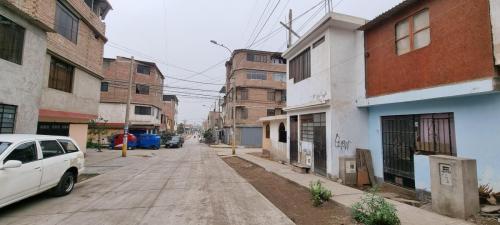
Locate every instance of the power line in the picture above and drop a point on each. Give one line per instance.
(267, 20)
(258, 22)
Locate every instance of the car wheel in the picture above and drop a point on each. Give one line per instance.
(65, 185)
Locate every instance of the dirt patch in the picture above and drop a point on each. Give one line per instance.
(291, 198)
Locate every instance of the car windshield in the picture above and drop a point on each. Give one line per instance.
(4, 146)
(176, 138)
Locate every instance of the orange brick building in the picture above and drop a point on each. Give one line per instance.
(255, 87)
(147, 95)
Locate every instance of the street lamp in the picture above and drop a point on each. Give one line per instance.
(233, 99)
(221, 45)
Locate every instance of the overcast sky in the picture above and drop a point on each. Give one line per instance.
(176, 35)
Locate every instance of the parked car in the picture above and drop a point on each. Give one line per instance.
(175, 141)
(151, 141)
(32, 164)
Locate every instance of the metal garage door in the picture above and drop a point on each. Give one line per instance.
(251, 136)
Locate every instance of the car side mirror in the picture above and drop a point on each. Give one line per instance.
(12, 164)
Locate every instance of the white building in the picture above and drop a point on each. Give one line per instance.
(324, 81)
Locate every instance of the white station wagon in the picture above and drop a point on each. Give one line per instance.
(31, 164)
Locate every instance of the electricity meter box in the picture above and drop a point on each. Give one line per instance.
(454, 186)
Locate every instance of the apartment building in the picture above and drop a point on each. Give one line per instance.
(23, 42)
(432, 87)
(255, 87)
(324, 80)
(72, 67)
(147, 95)
(169, 113)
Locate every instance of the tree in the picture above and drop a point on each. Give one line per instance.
(98, 127)
(180, 128)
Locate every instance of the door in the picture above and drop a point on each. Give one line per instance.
(294, 139)
(54, 163)
(57, 129)
(251, 136)
(313, 130)
(320, 147)
(17, 183)
(398, 142)
(403, 136)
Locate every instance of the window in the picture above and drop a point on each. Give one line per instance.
(279, 77)
(318, 42)
(413, 33)
(51, 149)
(243, 113)
(25, 153)
(142, 110)
(271, 95)
(268, 131)
(278, 60)
(282, 133)
(271, 112)
(7, 118)
(68, 146)
(256, 58)
(104, 86)
(66, 23)
(142, 89)
(244, 94)
(4, 146)
(11, 41)
(283, 95)
(143, 69)
(300, 66)
(61, 75)
(256, 75)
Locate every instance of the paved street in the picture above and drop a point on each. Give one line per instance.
(170, 186)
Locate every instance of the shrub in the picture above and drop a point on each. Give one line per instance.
(319, 194)
(375, 210)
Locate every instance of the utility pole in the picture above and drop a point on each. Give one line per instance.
(234, 116)
(127, 110)
(289, 28)
(290, 18)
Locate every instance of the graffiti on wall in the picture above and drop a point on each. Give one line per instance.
(342, 144)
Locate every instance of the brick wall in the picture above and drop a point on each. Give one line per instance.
(257, 103)
(88, 51)
(460, 48)
(119, 70)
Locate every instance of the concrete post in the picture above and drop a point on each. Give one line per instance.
(454, 186)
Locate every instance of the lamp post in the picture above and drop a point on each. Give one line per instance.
(233, 147)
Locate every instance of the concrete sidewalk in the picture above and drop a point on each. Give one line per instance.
(345, 195)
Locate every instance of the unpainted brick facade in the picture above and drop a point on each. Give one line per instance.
(117, 71)
(257, 103)
(87, 53)
(460, 49)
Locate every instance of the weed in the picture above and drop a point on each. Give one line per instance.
(375, 210)
(319, 194)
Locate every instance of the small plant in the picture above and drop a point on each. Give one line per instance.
(319, 194)
(375, 210)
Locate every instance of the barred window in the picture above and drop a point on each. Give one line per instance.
(7, 118)
(61, 75)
